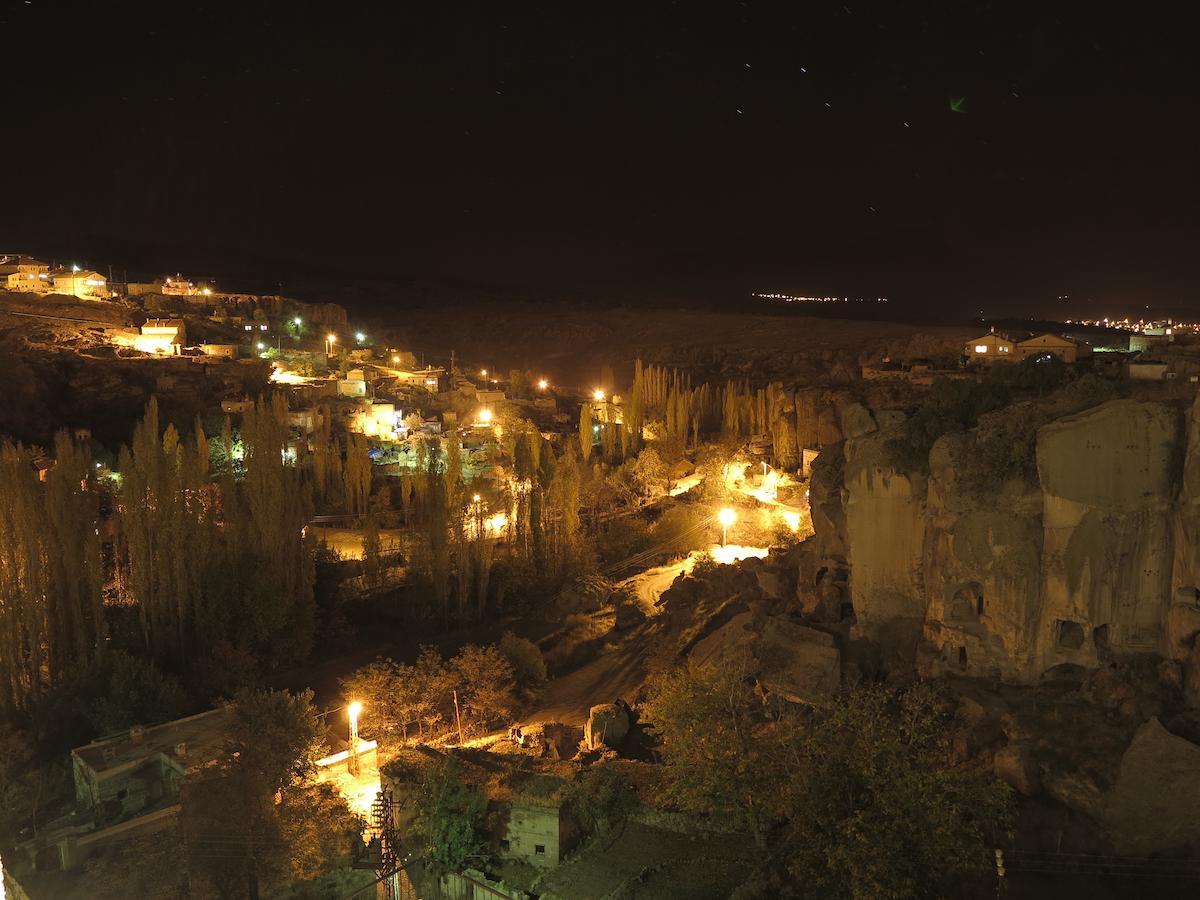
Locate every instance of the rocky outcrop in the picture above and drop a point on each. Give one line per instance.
(885, 527)
(799, 664)
(1098, 557)
(1153, 805)
(607, 725)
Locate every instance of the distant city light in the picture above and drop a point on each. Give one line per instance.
(483, 372)
(794, 298)
(543, 384)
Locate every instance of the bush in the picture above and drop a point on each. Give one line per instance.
(602, 801)
(449, 814)
(529, 668)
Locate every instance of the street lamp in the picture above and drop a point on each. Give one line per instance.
(330, 340)
(726, 517)
(543, 384)
(598, 395)
(395, 360)
(359, 336)
(485, 416)
(352, 712)
(297, 321)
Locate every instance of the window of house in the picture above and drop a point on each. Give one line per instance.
(539, 849)
(981, 348)
(1003, 349)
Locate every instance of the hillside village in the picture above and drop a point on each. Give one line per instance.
(504, 573)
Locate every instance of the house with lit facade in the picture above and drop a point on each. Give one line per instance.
(24, 273)
(997, 347)
(86, 284)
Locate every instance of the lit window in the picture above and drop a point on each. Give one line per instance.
(981, 348)
(1003, 349)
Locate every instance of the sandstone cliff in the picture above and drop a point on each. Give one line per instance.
(1097, 556)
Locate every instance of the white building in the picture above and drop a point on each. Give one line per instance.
(87, 284)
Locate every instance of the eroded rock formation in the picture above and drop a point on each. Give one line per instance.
(1099, 558)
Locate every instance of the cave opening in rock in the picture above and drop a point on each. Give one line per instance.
(1070, 634)
(966, 605)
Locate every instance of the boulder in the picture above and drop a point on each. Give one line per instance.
(607, 725)
(857, 421)
(1153, 805)
(729, 645)
(1014, 765)
(775, 583)
(628, 615)
(800, 664)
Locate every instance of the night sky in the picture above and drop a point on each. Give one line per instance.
(950, 156)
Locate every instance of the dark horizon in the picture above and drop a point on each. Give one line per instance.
(954, 160)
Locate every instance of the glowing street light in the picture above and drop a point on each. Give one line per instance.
(543, 384)
(395, 359)
(297, 321)
(726, 517)
(475, 498)
(485, 415)
(352, 713)
(598, 395)
(330, 340)
(483, 373)
(359, 336)
(261, 345)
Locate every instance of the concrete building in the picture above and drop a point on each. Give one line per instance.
(540, 830)
(86, 284)
(24, 273)
(127, 783)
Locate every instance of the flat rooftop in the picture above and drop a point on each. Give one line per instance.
(204, 734)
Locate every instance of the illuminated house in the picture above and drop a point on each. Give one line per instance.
(989, 348)
(24, 273)
(178, 286)
(380, 420)
(995, 347)
(156, 336)
(162, 336)
(86, 284)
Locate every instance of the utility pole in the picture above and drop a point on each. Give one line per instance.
(458, 718)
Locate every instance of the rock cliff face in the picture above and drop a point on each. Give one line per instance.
(1099, 559)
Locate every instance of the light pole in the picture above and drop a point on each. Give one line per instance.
(726, 517)
(352, 712)
(330, 339)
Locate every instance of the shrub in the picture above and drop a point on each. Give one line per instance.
(529, 668)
